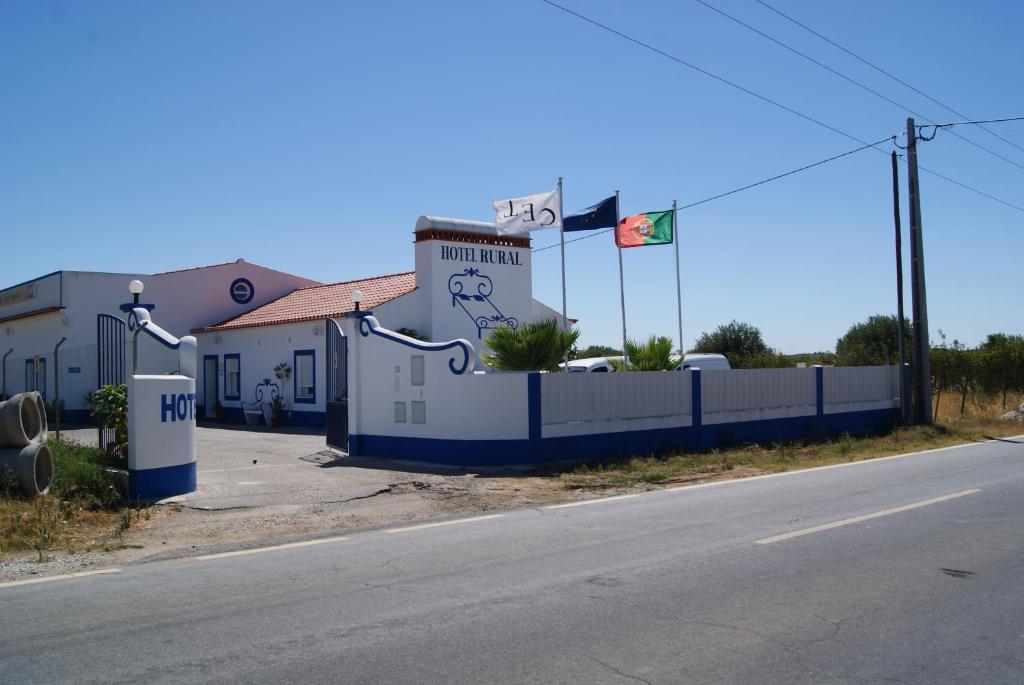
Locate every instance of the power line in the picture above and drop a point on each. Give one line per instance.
(981, 121)
(707, 73)
(883, 71)
(740, 189)
(763, 98)
(964, 185)
(848, 79)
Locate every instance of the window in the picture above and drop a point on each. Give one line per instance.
(419, 411)
(232, 377)
(600, 369)
(416, 366)
(305, 376)
(399, 412)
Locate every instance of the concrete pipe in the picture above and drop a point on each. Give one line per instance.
(44, 424)
(31, 467)
(20, 421)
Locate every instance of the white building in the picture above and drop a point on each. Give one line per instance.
(249, 319)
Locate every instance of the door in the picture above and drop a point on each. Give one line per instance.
(337, 386)
(110, 362)
(35, 375)
(210, 386)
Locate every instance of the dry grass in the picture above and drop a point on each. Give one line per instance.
(46, 524)
(978, 423)
(83, 513)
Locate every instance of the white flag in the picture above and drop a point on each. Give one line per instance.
(530, 213)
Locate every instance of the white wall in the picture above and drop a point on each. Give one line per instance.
(508, 290)
(184, 300)
(260, 349)
(200, 297)
(470, 406)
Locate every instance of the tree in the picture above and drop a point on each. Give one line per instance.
(655, 354)
(595, 351)
(1003, 366)
(873, 342)
(741, 343)
(539, 346)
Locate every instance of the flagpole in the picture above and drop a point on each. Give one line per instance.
(679, 284)
(622, 288)
(561, 234)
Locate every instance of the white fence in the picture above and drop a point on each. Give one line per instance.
(856, 388)
(751, 394)
(573, 398)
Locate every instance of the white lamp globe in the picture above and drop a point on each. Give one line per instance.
(135, 287)
(357, 296)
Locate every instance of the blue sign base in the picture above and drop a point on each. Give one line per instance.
(166, 481)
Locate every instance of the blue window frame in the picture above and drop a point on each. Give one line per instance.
(304, 377)
(232, 377)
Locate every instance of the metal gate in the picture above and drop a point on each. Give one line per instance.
(110, 360)
(337, 386)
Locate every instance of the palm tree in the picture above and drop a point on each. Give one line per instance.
(655, 354)
(539, 346)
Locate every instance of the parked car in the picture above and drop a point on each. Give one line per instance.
(590, 365)
(704, 361)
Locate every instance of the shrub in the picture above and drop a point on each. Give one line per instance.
(110, 406)
(654, 354)
(80, 473)
(539, 346)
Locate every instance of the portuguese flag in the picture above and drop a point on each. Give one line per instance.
(649, 228)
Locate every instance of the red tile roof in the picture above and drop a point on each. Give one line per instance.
(320, 301)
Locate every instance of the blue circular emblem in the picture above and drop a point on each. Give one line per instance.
(242, 291)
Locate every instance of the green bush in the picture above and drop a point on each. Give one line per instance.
(110, 406)
(654, 354)
(80, 473)
(539, 346)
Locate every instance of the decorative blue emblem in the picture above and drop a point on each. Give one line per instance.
(369, 324)
(478, 305)
(242, 290)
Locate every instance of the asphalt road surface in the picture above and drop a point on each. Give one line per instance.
(902, 570)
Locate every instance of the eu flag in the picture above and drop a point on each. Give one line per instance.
(602, 215)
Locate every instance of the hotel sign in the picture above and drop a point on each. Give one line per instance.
(17, 295)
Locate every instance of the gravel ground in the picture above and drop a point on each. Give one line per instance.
(257, 487)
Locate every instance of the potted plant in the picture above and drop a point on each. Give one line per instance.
(282, 372)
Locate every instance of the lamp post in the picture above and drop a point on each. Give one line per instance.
(357, 298)
(135, 288)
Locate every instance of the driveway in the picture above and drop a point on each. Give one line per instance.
(256, 485)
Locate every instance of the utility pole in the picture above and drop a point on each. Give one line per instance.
(922, 378)
(900, 332)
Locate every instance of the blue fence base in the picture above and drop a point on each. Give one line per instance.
(623, 444)
(166, 481)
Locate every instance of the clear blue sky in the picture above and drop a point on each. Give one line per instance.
(309, 136)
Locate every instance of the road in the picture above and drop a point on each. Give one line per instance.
(901, 570)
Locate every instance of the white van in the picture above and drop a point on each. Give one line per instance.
(704, 361)
(590, 365)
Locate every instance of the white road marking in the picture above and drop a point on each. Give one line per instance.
(865, 517)
(243, 468)
(66, 576)
(274, 548)
(438, 524)
(596, 500)
(250, 482)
